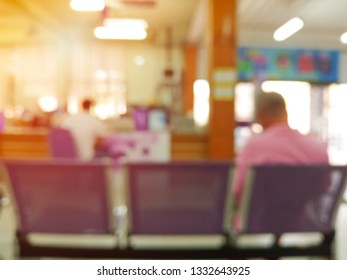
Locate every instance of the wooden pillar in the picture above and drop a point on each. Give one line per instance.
(190, 73)
(222, 74)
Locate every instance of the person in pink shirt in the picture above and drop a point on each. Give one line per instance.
(278, 144)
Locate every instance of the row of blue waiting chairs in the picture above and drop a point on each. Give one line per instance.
(72, 198)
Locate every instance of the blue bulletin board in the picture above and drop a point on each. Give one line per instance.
(288, 64)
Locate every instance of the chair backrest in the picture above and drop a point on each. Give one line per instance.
(284, 198)
(60, 196)
(178, 197)
(62, 144)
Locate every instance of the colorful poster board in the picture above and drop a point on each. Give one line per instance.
(288, 64)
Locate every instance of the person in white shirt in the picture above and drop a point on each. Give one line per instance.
(86, 129)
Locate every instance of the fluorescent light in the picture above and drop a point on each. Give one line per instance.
(114, 32)
(87, 5)
(288, 29)
(343, 38)
(122, 29)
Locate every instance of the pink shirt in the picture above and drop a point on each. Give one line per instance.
(278, 144)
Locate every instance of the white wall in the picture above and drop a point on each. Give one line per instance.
(143, 80)
(40, 69)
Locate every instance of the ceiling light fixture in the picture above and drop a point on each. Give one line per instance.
(288, 29)
(122, 29)
(87, 5)
(116, 33)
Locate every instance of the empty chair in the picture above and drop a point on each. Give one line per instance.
(61, 143)
(65, 198)
(178, 199)
(282, 199)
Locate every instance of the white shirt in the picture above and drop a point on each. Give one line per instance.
(85, 129)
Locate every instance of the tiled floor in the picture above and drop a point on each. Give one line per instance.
(8, 247)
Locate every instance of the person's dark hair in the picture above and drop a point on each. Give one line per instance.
(87, 104)
(269, 103)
